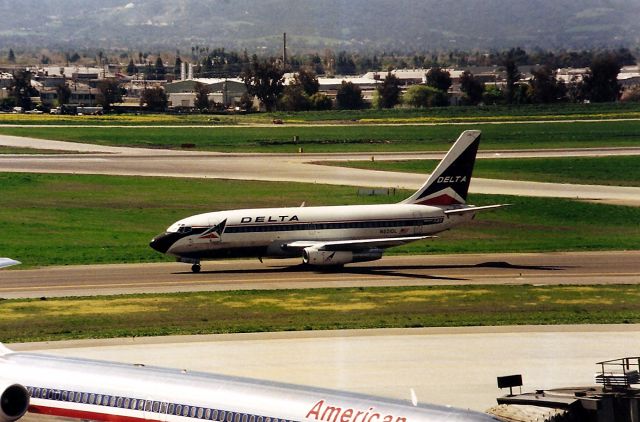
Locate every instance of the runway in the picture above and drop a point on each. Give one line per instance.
(96, 159)
(416, 270)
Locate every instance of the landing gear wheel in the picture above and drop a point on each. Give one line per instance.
(195, 268)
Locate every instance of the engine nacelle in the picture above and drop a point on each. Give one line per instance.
(14, 402)
(313, 256)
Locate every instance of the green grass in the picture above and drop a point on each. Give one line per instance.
(399, 115)
(78, 219)
(316, 309)
(350, 138)
(613, 171)
(471, 114)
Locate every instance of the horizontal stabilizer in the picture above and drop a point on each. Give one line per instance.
(4, 350)
(7, 262)
(473, 209)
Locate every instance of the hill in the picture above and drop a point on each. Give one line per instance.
(400, 25)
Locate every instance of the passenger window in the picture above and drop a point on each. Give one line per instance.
(207, 414)
(185, 411)
(156, 406)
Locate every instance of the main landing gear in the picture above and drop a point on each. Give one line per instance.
(195, 268)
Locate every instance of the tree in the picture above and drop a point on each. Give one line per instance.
(294, 98)
(131, 68)
(160, 70)
(177, 67)
(12, 56)
(512, 77)
(319, 101)
(308, 80)
(601, 82)
(389, 91)
(264, 80)
(439, 79)
(419, 96)
(154, 99)
(545, 88)
(64, 94)
(345, 64)
(202, 97)
(109, 92)
(21, 89)
(492, 95)
(472, 88)
(246, 102)
(349, 97)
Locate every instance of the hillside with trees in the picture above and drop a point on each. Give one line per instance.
(355, 25)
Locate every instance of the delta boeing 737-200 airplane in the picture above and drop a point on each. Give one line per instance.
(332, 235)
(108, 391)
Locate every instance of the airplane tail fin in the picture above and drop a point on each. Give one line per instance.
(449, 182)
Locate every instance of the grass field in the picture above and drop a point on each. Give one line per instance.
(398, 115)
(315, 309)
(77, 219)
(349, 138)
(612, 171)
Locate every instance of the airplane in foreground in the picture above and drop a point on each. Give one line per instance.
(332, 235)
(109, 391)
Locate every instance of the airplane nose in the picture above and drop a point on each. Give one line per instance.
(163, 242)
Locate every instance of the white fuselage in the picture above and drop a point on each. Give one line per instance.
(259, 232)
(100, 390)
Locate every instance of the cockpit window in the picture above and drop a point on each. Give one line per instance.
(184, 229)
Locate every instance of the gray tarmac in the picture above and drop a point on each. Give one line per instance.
(456, 367)
(618, 267)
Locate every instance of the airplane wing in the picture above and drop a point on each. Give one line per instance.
(466, 210)
(353, 245)
(7, 262)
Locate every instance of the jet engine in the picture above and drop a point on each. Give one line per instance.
(313, 256)
(14, 402)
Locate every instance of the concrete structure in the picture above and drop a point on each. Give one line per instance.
(222, 91)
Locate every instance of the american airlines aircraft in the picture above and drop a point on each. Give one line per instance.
(332, 235)
(109, 391)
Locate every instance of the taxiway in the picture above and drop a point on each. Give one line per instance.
(96, 159)
(421, 270)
